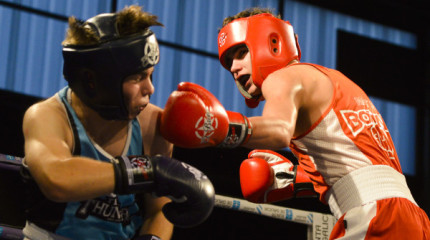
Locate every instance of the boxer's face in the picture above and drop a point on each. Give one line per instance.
(239, 60)
(137, 89)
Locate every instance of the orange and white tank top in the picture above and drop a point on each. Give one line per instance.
(349, 135)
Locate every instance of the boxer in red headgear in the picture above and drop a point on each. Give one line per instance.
(341, 141)
(270, 41)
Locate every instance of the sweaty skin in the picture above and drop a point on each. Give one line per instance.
(49, 145)
(296, 97)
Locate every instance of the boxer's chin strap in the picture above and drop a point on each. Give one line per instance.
(251, 101)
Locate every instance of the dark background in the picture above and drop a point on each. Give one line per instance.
(369, 62)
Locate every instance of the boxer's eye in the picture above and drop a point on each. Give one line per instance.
(241, 53)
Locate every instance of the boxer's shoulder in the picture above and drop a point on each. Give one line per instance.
(47, 106)
(148, 116)
(49, 113)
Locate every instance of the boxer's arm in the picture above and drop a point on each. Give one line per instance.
(59, 175)
(277, 125)
(153, 142)
(155, 223)
(296, 98)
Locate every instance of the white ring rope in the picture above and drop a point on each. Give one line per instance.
(287, 214)
(319, 224)
(10, 159)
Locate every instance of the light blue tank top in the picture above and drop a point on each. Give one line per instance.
(107, 217)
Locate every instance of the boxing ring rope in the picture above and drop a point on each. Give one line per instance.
(319, 224)
(10, 163)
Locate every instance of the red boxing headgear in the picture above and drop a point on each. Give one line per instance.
(270, 41)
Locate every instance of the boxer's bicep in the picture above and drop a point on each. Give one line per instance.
(45, 139)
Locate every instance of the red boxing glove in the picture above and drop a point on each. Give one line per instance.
(194, 118)
(267, 176)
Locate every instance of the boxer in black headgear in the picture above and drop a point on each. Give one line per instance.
(95, 72)
(95, 162)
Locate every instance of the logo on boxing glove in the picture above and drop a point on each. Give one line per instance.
(141, 168)
(140, 162)
(205, 126)
(197, 174)
(232, 138)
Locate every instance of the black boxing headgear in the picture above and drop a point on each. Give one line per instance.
(96, 73)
